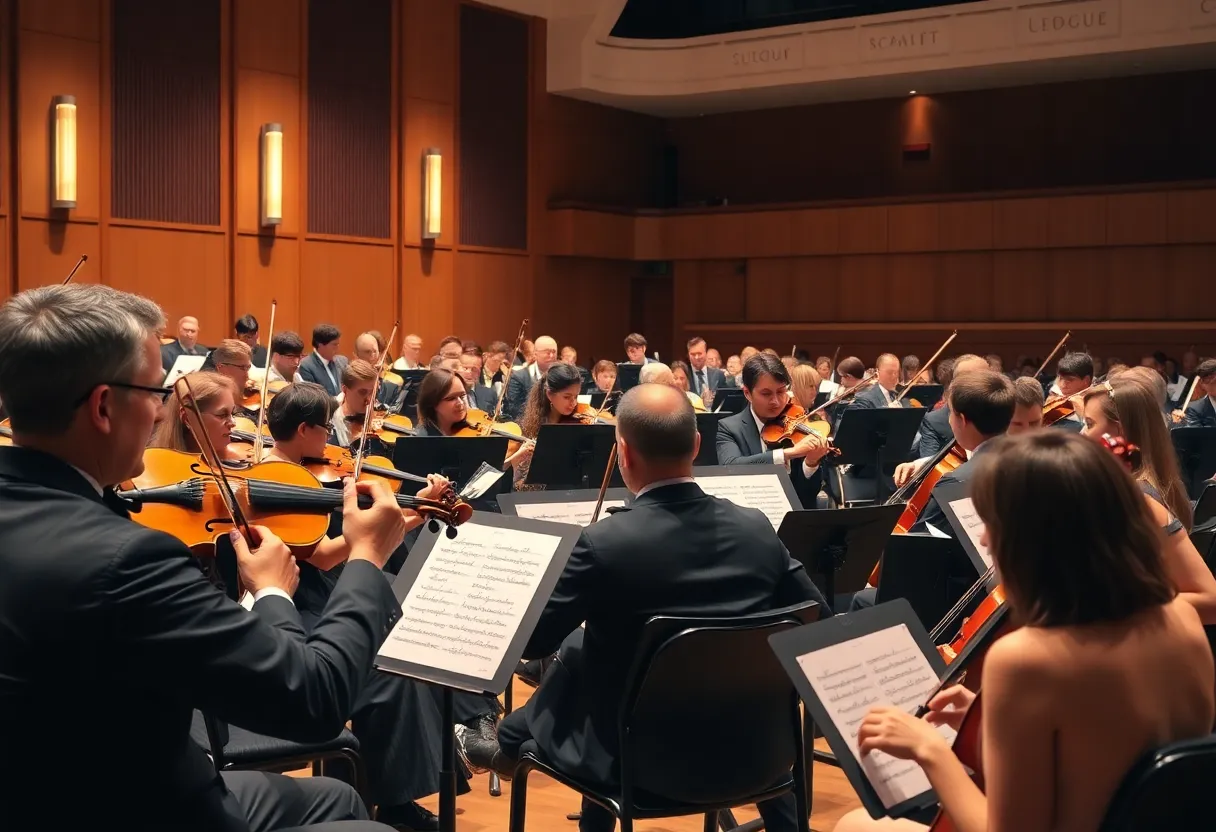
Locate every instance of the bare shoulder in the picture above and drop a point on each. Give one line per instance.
(1026, 653)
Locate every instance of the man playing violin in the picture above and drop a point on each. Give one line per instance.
(358, 387)
(1074, 373)
(95, 602)
(766, 385)
(233, 359)
(399, 726)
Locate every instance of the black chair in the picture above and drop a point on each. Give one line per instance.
(756, 752)
(1167, 789)
(235, 749)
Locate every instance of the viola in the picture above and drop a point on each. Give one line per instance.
(793, 423)
(967, 747)
(178, 494)
(252, 399)
(391, 427)
(478, 423)
(6, 433)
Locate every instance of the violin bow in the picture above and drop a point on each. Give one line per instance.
(203, 440)
(502, 394)
(599, 501)
(600, 410)
(72, 273)
(869, 379)
(1052, 354)
(259, 444)
(835, 355)
(926, 366)
(371, 402)
(1190, 393)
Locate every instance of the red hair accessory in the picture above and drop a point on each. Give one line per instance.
(1125, 451)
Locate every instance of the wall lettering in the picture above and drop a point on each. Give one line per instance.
(1080, 21)
(903, 40)
(765, 56)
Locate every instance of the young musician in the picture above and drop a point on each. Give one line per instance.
(717, 559)
(443, 403)
(604, 374)
(1202, 412)
(553, 399)
(358, 384)
(804, 385)
(935, 431)
(1105, 642)
(92, 600)
(324, 364)
(766, 385)
(1027, 406)
(233, 359)
(494, 367)
(286, 354)
(216, 401)
(1074, 373)
(246, 329)
(1127, 406)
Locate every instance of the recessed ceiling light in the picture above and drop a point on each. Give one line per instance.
(911, 92)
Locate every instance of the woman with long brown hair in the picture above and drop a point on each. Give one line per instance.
(216, 398)
(1104, 641)
(554, 397)
(1129, 406)
(442, 403)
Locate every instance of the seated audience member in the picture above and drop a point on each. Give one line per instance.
(718, 560)
(1101, 621)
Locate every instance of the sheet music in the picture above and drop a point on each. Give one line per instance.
(576, 513)
(758, 491)
(469, 599)
(882, 668)
(970, 520)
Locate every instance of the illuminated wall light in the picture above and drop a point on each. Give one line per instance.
(432, 193)
(63, 173)
(272, 174)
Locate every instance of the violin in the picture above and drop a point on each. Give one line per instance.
(252, 400)
(6, 433)
(585, 414)
(793, 423)
(388, 428)
(478, 423)
(179, 494)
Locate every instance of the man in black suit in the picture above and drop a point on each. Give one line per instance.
(935, 431)
(1202, 413)
(1074, 373)
(324, 365)
(766, 385)
(246, 328)
(717, 559)
(480, 396)
(93, 602)
(186, 343)
(703, 376)
(519, 385)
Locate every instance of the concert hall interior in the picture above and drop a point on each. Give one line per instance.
(978, 229)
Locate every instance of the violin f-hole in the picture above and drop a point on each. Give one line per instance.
(213, 524)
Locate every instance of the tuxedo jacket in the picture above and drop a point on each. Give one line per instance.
(169, 353)
(935, 432)
(1201, 414)
(739, 443)
(110, 636)
(312, 369)
(519, 385)
(714, 377)
(673, 551)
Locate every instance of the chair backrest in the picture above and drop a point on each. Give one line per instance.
(1166, 789)
(1205, 506)
(708, 714)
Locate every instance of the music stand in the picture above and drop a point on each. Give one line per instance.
(628, 375)
(729, 400)
(415, 646)
(1196, 449)
(954, 499)
(845, 540)
(878, 437)
(1205, 506)
(707, 426)
(927, 394)
(456, 458)
(573, 456)
(410, 380)
(927, 572)
(572, 506)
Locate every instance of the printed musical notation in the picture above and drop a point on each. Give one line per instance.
(884, 668)
(467, 603)
(575, 513)
(759, 491)
(970, 520)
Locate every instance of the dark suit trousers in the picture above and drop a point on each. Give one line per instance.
(277, 803)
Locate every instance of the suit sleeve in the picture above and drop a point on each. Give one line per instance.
(730, 453)
(513, 406)
(307, 374)
(182, 635)
(1194, 415)
(930, 438)
(568, 605)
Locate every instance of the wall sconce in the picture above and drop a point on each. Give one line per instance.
(432, 193)
(272, 175)
(63, 173)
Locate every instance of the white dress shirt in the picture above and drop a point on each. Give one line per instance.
(661, 484)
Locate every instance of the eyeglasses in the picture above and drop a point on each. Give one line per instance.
(162, 393)
(245, 367)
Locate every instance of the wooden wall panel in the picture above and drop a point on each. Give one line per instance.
(262, 98)
(47, 251)
(349, 285)
(429, 50)
(268, 269)
(80, 19)
(268, 35)
(428, 306)
(428, 124)
(502, 283)
(5, 262)
(177, 269)
(584, 283)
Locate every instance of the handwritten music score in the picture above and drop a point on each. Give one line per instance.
(575, 513)
(469, 599)
(970, 520)
(759, 491)
(884, 668)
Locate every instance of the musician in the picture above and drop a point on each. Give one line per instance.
(1127, 406)
(1202, 413)
(677, 376)
(702, 375)
(346, 422)
(882, 394)
(216, 398)
(1027, 406)
(552, 401)
(908, 368)
(443, 407)
(95, 602)
(604, 373)
(493, 366)
(804, 385)
(411, 353)
(569, 355)
(1074, 373)
(1101, 622)
(324, 364)
(717, 559)
(450, 347)
(233, 359)
(935, 432)
(766, 387)
(713, 358)
(635, 348)
(246, 329)
(398, 723)
(369, 346)
(480, 397)
(286, 354)
(734, 371)
(520, 385)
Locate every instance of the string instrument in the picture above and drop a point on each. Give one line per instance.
(179, 494)
(795, 420)
(6, 433)
(252, 400)
(388, 428)
(967, 747)
(478, 423)
(1178, 414)
(1057, 408)
(83, 259)
(924, 369)
(1052, 354)
(585, 414)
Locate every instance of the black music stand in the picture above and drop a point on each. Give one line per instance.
(628, 375)
(845, 540)
(1196, 449)
(573, 456)
(598, 396)
(456, 458)
(930, 573)
(494, 682)
(410, 380)
(879, 437)
(927, 394)
(707, 426)
(729, 400)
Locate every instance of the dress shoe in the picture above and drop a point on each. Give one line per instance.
(408, 817)
(480, 730)
(484, 754)
(530, 673)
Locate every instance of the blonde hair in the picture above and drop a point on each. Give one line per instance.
(229, 350)
(356, 371)
(805, 383)
(1132, 400)
(172, 432)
